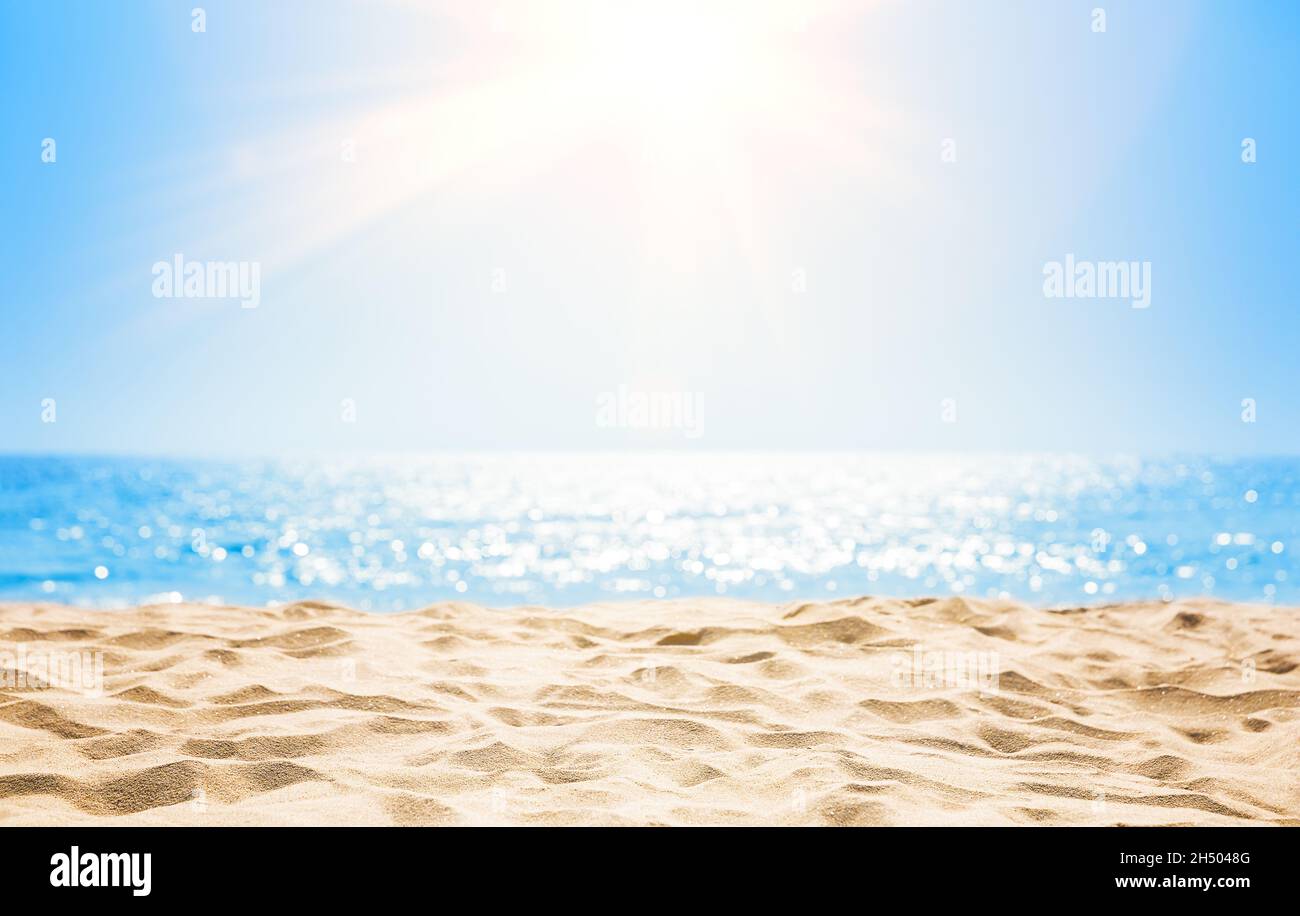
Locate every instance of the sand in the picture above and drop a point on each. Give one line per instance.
(866, 711)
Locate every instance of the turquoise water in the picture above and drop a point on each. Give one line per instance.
(398, 533)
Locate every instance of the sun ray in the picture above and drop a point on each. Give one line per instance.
(707, 101)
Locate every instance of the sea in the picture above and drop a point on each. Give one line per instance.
(398, 532)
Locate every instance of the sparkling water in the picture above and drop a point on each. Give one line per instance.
(552, 529)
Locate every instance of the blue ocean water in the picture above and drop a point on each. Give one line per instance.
(402, 532)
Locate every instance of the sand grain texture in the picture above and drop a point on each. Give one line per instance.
(668, 712)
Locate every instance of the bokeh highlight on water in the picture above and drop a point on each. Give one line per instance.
(558, 530)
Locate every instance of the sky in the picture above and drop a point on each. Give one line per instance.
(825, 223)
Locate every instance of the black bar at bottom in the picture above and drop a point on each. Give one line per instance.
(338, 866)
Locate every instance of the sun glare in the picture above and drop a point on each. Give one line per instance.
(672, 62)
(696, 105)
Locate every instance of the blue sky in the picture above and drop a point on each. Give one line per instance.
(646, 189)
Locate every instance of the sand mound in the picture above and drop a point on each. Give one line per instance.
(864, 711)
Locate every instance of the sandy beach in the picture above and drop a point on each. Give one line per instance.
(866, 711)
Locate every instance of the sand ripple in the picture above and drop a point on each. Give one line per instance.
(863, 711)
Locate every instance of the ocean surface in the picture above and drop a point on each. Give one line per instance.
(399, 533)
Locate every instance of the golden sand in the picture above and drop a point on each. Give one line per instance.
(865, 711)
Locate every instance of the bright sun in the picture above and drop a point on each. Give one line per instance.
(675, 62)
(681, 61)
(696, 105)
